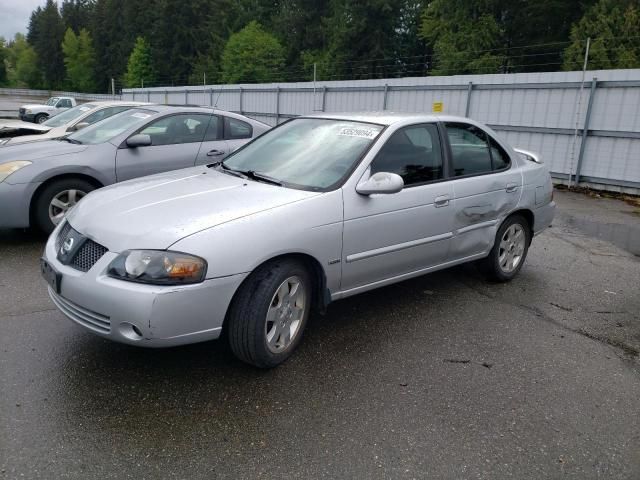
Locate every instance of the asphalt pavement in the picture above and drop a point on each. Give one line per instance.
(445, 376)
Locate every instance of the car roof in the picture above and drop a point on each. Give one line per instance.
(389, 118)
(112, 103)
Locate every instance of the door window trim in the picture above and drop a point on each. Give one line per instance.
(227, 129)
(124, 142)
(487, 136)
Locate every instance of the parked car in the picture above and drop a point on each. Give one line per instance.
(40, 181)
(67, 122)
(39, 113)
(318, 209)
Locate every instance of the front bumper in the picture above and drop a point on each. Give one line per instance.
(137, 314)
(14, 204)
(27, 117)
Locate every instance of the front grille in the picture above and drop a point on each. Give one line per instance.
(62, 235)
(87, 318)
(88, 254)
(21, 111)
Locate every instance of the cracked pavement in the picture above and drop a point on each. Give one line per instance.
(445, 376)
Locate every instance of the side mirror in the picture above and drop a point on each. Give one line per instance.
(80, 126)
(139, 140)
(381, 182)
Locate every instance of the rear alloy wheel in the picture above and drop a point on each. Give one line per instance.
(57, 199)
(269, 313)
(509, 250)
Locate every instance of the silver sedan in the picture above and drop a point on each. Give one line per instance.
(40, 181)
(315, 210)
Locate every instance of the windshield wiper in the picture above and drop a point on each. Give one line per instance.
(252, 174)
(70, 140)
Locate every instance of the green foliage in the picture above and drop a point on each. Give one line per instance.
(21, 63)
(252, 55)
(140, 66)
(3, 62)
(79, 60)
(46, 32)
(614, 29)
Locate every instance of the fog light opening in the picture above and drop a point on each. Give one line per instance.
(130, 331)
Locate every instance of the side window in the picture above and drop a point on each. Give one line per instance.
(175, 129)
(64, 103)
(469, 149)
(236, 129)
(214, 130)
(102, 114)
(498, 156)
(413, 153)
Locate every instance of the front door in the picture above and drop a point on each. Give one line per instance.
(387, 236)
(175, 142)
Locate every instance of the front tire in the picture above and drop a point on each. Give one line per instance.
(509, 250)
(40, 118)
(56, 199)
(270, 312)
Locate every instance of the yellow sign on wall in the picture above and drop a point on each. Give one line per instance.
(438, 106)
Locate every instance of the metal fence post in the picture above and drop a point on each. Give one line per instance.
(148, 95)
(211, 97)
(585, 130)
(186, 96)
(468, 107)
(240, 100)
(166, 97)
(324, 96)
(384, 98)
(277, 104)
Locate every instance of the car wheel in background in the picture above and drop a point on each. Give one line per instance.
(55, 200)
(509, 250)
(40, 118)
(269, 313)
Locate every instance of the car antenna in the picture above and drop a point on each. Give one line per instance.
(217, 98)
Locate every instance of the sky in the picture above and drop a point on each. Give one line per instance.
(14, 16)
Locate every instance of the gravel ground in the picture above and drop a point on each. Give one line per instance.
(445, 376)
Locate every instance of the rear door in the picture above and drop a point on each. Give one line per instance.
(175, 143)
(486, 186)
(214, 147)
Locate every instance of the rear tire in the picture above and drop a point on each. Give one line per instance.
(56, 199)
(269, 313)
(509, 250)
(40, 118)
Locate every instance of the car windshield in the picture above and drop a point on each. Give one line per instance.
(52, 101)
(105, 130)
(68, 115)
(311, 153)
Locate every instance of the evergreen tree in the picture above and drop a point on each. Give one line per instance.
(76, 14)
(252, 55)
(79, 60)
(140, 66)
(46, 32)
(3, 62)
(614, 28)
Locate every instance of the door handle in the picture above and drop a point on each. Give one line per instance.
(441, 201)
(511, 187)
(214, 153)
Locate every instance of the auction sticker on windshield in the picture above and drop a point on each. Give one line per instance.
(358, 132)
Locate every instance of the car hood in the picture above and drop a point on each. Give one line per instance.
(10, 125)
(156, 211)
(36, 105)
(35, 150)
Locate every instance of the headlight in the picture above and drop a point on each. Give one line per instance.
(28, 111)
(158, 267)
(7, 169)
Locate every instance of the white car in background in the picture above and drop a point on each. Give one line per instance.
(13, 132)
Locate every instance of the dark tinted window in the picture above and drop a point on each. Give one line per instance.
(469, 149)
(499, 156)
(236, 129)
(64, 103)
(214, 131)
(413, 153)
(183, 128)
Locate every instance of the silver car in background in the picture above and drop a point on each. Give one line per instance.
(14, 132)
(318, 209)
(41, 181)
